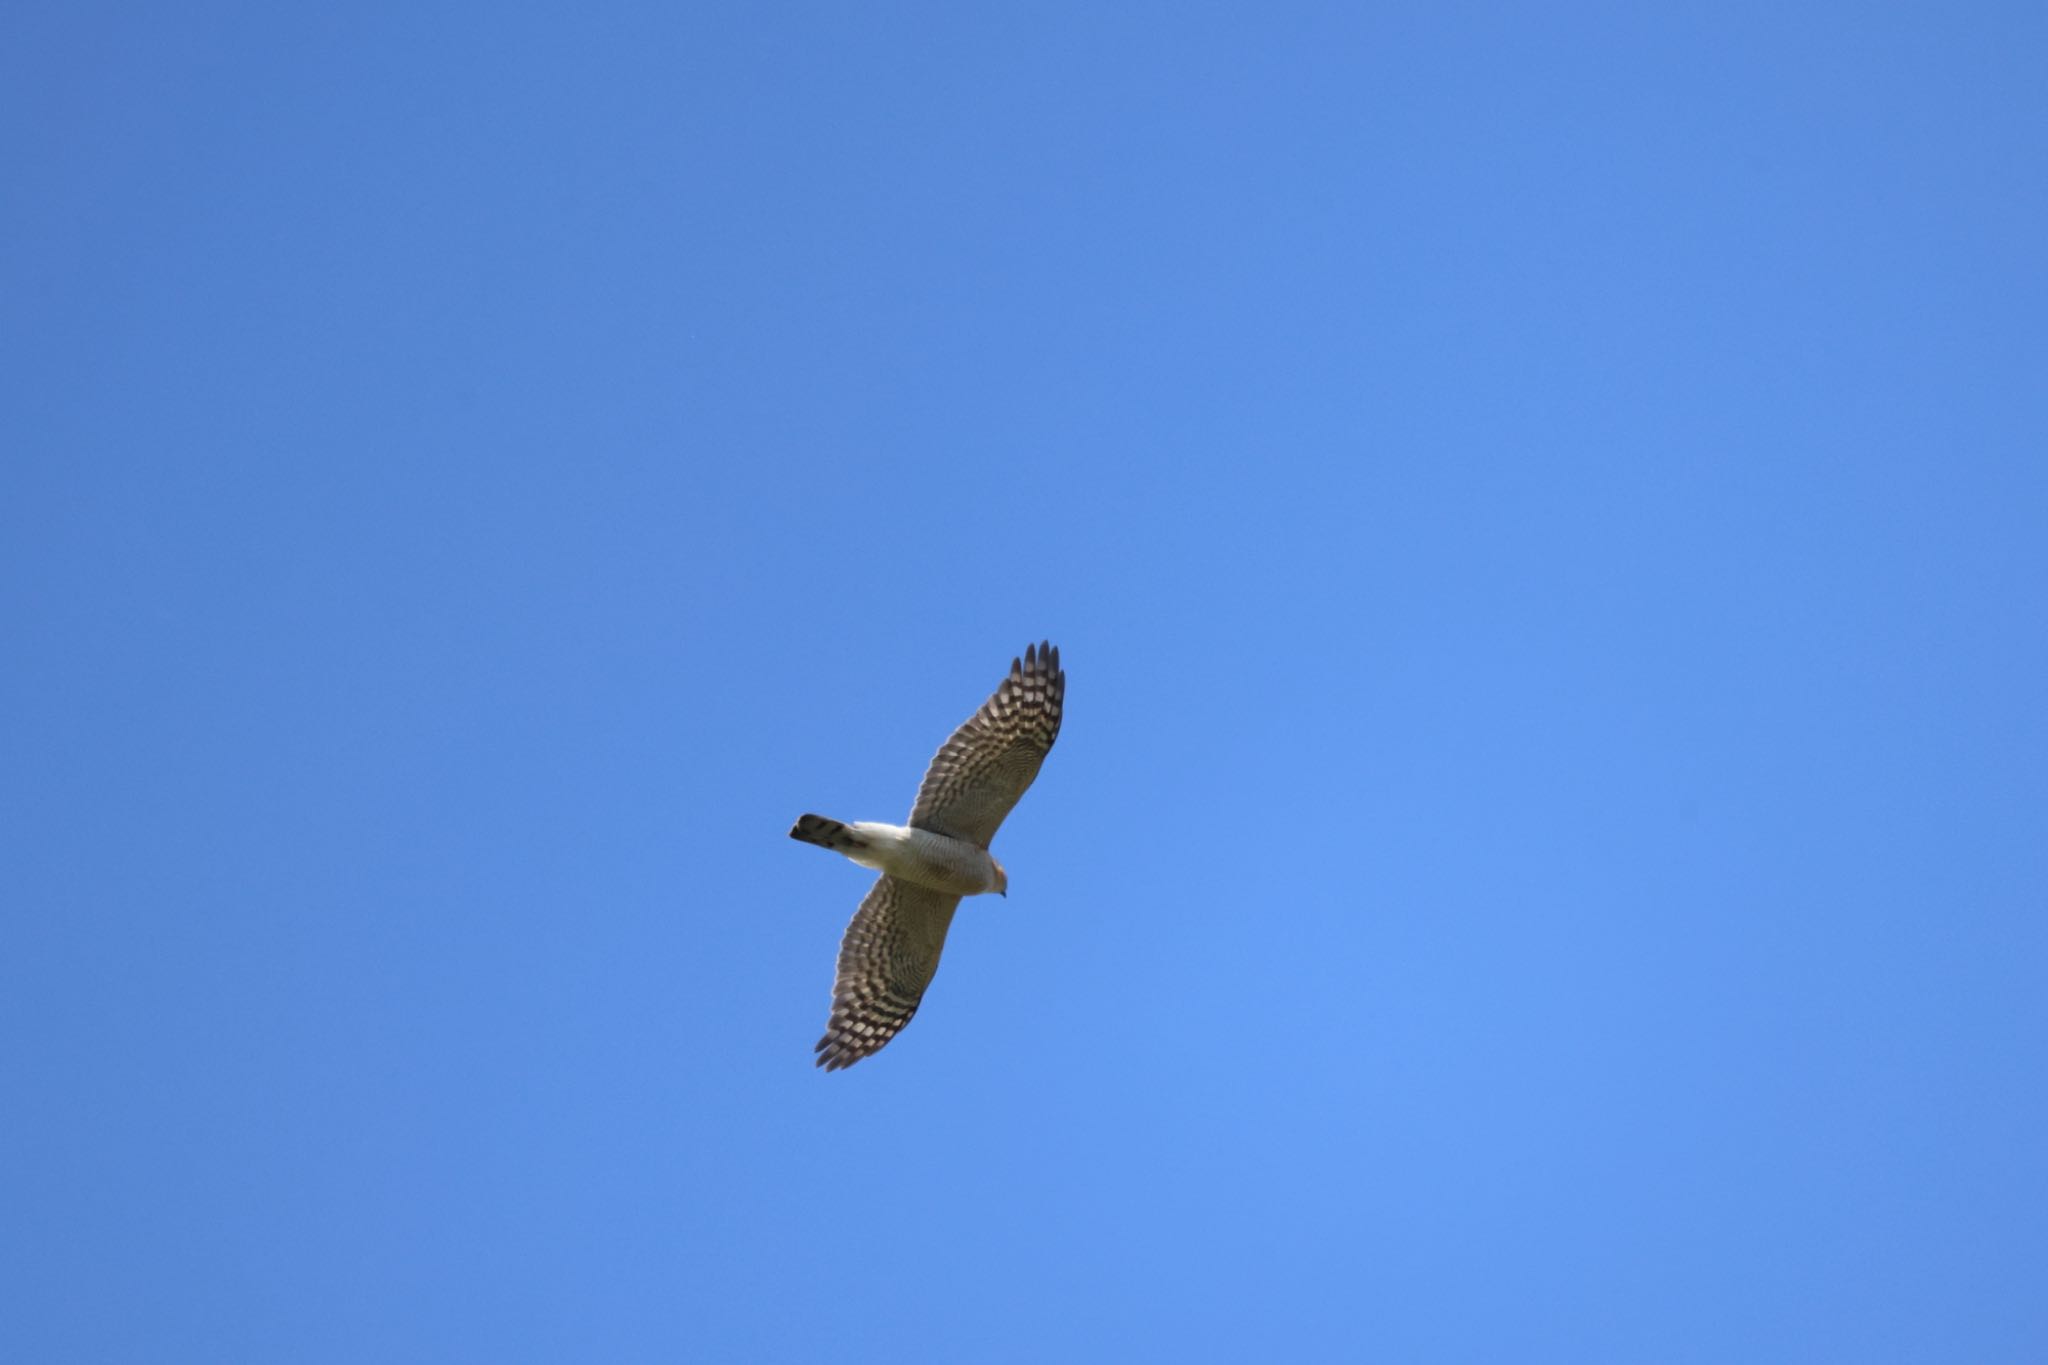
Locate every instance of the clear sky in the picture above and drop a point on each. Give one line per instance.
(1544, 510)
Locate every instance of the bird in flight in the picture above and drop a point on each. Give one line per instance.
(892, 947)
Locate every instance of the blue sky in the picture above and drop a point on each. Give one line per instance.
(1545, 516)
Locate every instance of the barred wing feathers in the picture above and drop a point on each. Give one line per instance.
(887, 958)
(978, 775)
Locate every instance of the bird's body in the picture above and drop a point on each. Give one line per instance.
(892, 947)
(937, 862)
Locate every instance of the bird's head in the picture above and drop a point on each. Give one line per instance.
(1002, 886)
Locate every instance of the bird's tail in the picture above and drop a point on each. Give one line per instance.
(816, 829)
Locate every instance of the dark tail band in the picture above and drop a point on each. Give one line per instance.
(816, 829)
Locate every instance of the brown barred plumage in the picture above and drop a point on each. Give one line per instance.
(887, 958)
(891, 949)
(978, 774)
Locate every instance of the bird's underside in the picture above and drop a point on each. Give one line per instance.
(891, 949)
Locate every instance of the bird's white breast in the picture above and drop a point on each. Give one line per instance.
(938, 861)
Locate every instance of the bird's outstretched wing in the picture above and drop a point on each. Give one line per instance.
(977, 775)
(887, 958)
